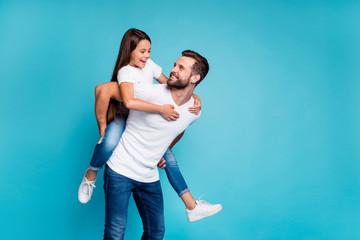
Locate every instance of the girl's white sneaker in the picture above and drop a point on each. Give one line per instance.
(202, 210)
(85, 190)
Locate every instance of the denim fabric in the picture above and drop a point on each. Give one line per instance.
(149, 201)
(174, 175)
(104, 150)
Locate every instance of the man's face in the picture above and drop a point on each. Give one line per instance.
(181, 73)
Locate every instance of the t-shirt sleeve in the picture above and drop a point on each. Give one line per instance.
(156, 69)
(197, 116)
(124, 75)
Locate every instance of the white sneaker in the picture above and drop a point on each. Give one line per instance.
(202, 210)
(85, 190)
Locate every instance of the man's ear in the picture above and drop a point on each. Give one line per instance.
(195, 78)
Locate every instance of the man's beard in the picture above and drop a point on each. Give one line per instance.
(178, 84)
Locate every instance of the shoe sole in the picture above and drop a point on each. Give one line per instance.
(211, 214)
(81, 200)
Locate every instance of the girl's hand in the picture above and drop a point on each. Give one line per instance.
(167, 111)
(100, 140)
(196, 109)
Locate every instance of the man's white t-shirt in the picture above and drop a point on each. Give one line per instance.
(148, 135)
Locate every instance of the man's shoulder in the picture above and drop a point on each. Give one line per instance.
(193, 115)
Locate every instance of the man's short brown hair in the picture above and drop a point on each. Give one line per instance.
(201, 65)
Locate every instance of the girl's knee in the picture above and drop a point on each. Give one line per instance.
(109, 145)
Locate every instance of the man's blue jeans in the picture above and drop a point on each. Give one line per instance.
(149, 201)
(104, 150)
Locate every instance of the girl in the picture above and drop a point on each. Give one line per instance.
(133, 64)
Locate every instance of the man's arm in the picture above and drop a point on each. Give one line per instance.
(103, 93)
(176, 139)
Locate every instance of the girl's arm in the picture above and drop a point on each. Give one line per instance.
(162, 79)
(127, 93)
(196, 109)
(197, 104)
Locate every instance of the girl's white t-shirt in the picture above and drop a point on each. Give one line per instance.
(135, 75)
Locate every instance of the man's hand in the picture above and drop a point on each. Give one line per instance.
(100, 140)
(162, 164)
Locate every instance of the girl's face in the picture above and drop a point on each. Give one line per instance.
(140, 54)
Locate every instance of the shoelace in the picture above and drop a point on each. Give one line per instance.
(202, 202)
(90, 186)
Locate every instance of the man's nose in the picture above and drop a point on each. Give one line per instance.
(174, 69)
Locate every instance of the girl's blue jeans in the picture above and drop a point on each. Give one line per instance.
(104, 150)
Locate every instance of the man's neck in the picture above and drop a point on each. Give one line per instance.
(181, 96)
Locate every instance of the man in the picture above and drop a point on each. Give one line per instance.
(133, 166)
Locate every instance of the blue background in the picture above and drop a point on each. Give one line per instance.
(277, 143)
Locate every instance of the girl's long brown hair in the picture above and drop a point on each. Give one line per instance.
(130, 40)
